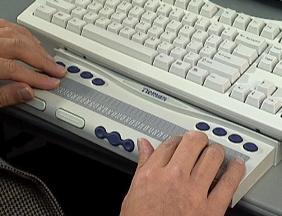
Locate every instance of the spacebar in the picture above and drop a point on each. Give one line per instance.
(119, 43)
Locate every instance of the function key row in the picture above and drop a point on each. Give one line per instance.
(84, 74)
(234, 138)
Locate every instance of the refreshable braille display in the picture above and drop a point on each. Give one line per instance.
(154, 69)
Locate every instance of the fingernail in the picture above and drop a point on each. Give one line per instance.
(25, 94)
(240, 160)
(61, 69)
(55, 80)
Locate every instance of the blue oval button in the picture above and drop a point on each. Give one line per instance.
(73, 69)
(98, 82)
(128, 145)
(100, 132)
(86, 75)
(219, 131)
(114, 138)
(203, 126)
(235, 138)
(251, 147)
(61, 63)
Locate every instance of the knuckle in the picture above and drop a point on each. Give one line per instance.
(175, 172)
(144, 175)
(4, 99)
(18, 43)
(11, 66)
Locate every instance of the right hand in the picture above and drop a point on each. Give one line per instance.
(175, 179)
(17, 43)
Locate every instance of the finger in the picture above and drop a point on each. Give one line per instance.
(20, 49)
(188, 151)
(11, 70)
(207, 166)
(18, 28)
(15, 93)
(145, 150)
(222, 193)
(164, 152)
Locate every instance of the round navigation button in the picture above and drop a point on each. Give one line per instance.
(219, 131)
(128, 145)
(114, 138)
(100, 132)
(203, 126)
(73, 69)
(86, 75)
(235, 138)
(251, 147)
(61, 63)
(98, 81)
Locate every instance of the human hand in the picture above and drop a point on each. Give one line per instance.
(18, 44)
(175, 179)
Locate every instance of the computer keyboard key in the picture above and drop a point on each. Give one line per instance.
(227, 46)
(155, 31)
(270, 31)
(192, 58)
(61, 19)
(215, 29)
(142, 27)
(181, 4)
(127, 32)
(95, 7)
(152, 42)
(272, 104)
(222, 70)
(45, 12)
(90, 17)
(60, 5)
(266, 87)
(139, 37)
(165, 47)
(252, 41)
(130, 22)
(197, 75)
(181, 41)
(229, 33)
(152, 5)
(102, 22)
(207, 51)
(200, 36)
(208, 10)
(194, 46)
(124, 7)
(240, 92)
(148, 17)
(195, 6)
(106, 12)
(136, 11)
(246, 52)
(173, 26)
(234, 61)
(242, 21)
(112, 4)
(176, 14)
(168, 36)
(228, 16)
(255, 98)
(278, 69)
(180, 68)
(78, 12)
(75, 25)
(82, 3)
(116, 42)
(202, 24)
(255, 26)
(186, 31)
(178, 53)
(189, 19)
(163, 61)
(164, 9)
(217, 83)
(161, 21)
(268, 62)
(213, 41)
(276, 50)
(139, 3)
(115, 27)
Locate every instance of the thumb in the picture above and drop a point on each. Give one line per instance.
(145, 149)
(15, 93)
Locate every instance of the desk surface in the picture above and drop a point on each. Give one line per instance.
(266, 195)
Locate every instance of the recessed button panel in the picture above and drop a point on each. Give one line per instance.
(114, 138)
(73, 69)
(38, 104)
(203, 126)
(98, 81)
(219, 131)
(70, 118)
(86, 75)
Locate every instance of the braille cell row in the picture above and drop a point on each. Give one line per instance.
(84, 74)
(234, 138)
